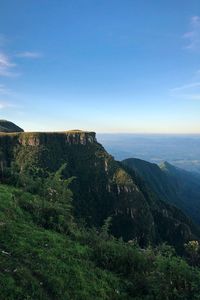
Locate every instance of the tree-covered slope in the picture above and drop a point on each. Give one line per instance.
(171, 184)
(101, 187)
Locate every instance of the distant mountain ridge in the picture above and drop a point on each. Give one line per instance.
(171, 184)
(180, 150)
(7, 126)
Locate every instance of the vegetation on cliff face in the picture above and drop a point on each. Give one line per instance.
(101, 187)
(171, 184)
(54, 184)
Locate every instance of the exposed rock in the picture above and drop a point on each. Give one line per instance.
(67, 137)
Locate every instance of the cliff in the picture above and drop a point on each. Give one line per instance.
(102, 186)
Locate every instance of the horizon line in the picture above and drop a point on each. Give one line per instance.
(152, 133)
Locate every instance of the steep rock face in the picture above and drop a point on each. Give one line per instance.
(7, 126)
(73, 137)
(102, 188)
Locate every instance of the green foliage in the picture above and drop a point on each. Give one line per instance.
(103, 188)
(192, 249)
(170, 184)
(42, 257)
(145, 273)
(171, 224)
(36, 263)
(174, 279)
(51, 204)
(105, 229)
(60, 178)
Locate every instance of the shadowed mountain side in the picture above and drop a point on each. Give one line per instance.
(102, 186)
(7, 126)
(171, 184)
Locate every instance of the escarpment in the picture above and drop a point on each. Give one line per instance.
(67, 137)
(102, 187)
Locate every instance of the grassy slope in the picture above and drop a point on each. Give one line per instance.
(36, 263)
(39, 263)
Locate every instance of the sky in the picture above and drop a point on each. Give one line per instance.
(128, 66)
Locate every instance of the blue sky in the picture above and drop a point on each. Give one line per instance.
(107, 66)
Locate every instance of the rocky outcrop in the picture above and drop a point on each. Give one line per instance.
(45, 138)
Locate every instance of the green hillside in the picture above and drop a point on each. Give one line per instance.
(171, 184)
(73, 221)
(44, 255)
(101, 186)
(7, 126)
(43, 263)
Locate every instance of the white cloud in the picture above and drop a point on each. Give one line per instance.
(188, 96)
(189, 91)
(192, 36)
(191, 96)
(6, 66)
(29, 54)
(186, 87)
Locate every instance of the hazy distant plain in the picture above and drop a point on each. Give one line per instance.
(181, 150)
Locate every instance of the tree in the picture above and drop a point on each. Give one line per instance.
(192, 249)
